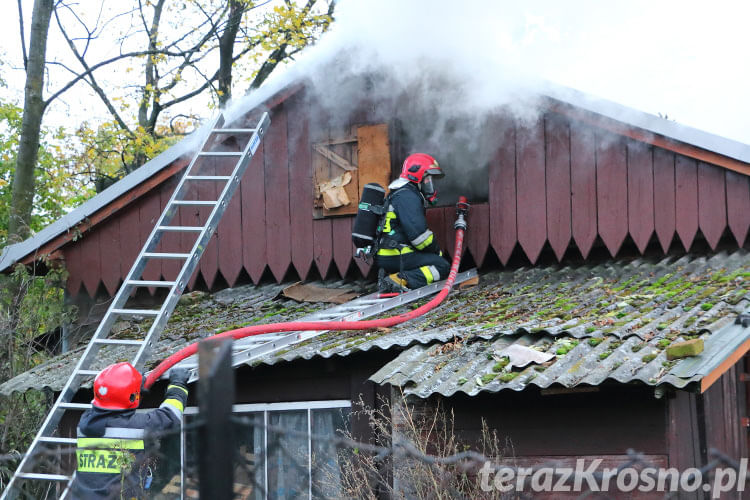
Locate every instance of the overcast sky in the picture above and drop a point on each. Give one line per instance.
(685, 59)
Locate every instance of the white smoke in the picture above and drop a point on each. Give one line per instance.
(683, 59)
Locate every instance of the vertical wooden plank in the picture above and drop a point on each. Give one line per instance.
(170, 268)
(109, 247)
(436, 222)
(322, 228)
(531, 213)
(342, 226)
(254, 216)
(229, 231)
(682, 422)
(738, 205)
(502, 189)
(557, 150)
(664, 197)
(449, 217)
(640, 194)
(686, 199)
(73, 264)
(583, 186)
(189, 216)
(300, 185)
(323, 245)
(612, 191)
(149, 207)
(129, 220)
(278, 240)
(90, 261)
(712, 202)
(342, 243)
(478, 232)
(209, 191)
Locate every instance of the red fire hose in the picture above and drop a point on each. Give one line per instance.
(462, 208)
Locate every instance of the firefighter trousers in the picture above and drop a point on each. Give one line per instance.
(417, 268)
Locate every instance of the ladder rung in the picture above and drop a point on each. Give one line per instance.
(221, 153)
(45, 477)
(118, 341)
(159, 255)
(74, 406)
(58, 440)
(88, 372)
(165, 284)
(207, 177)
(194, 202)
(136, 312)
(233, 130)
(181, 229)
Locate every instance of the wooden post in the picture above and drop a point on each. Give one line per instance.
(215, 398)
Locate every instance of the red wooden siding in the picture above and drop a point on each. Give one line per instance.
(583, 186)
(664, 197)
(300, 190)
(502, 194)
(712, 209)
(686, 200)
(254, 216)
(278, 241)
(612, 191)
(553, 181)
(738, 205)
(531, 217)
(558, 185)
(640, 194)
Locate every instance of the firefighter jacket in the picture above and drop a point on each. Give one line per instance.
(111, 455)
(405, 226)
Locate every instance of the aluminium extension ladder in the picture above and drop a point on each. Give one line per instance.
(46, 439)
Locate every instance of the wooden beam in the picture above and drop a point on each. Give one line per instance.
(733, 358)
(335, 158)
(658, 140)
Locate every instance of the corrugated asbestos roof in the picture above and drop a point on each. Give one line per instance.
(606, 317)
(619, 331)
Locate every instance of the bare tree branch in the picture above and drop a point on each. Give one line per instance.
(23, 35)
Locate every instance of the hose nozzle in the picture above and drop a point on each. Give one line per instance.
(462, 209)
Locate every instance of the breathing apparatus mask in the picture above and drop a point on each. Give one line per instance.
(428, 189)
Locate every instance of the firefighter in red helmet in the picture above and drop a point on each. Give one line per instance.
(408, 255)
(110, 452)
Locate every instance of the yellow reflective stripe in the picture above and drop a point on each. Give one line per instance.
(178, 387)
(427, 274)
(175, 403)
(115, 443)
(389, 252)
(103, 461)
(389, 216)
(425, 243)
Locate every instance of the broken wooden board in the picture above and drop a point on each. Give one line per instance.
(312, 293)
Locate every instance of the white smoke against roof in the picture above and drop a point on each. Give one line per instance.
(683, 59)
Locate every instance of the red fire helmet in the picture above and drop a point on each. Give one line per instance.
(117, 387)
(417, 165)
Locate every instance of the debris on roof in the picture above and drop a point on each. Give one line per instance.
(307, 292)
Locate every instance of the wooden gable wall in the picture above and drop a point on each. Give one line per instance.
(557, 180)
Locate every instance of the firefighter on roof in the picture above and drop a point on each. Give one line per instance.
(110, 453)
(408, 255)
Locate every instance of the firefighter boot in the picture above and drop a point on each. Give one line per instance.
(391, 283)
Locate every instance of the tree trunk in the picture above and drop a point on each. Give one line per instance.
(33, 110)
(226, 50)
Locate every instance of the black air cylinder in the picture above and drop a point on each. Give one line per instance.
(368, 215)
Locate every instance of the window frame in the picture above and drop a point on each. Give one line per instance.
(308, 406)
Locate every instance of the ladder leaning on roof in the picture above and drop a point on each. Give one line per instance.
(46, 441)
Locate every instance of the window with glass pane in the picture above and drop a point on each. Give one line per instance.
(287, 446)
